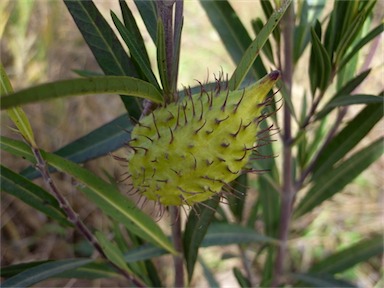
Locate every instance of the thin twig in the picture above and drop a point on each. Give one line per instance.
(74, 218)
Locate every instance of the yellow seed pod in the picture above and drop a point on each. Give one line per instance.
(185, 152)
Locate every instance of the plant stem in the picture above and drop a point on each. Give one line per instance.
(178, 244)
(73, 217)
(287, 189)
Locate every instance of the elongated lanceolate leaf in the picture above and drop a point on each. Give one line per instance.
(349, 257)
(320, 64)
(101, 39)
(105, 195)
(162, 57)
(254, 48)
(195, 230)
(239, 193)
(42, 272)
(94, 270)
(98, 142)
(347, 89)
(31, 194)
(336, 178)
(227, 234)
(105, 46)
(320, 281)
(353, 100)
(148, 12)
(112, 252)
(362, 42)
(356, 19)
(131, 26)
(241, 279)
(348, 138)
(85, 86)
(136, 51)
(16, 114)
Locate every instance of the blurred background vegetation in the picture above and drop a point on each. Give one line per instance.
(40, 43)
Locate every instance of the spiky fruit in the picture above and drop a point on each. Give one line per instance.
(185, 152)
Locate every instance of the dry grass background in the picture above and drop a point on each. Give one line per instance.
(43, 44)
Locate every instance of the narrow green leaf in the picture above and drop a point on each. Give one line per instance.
(42, 272)
(104, 194)
(220, 234)
(162, 58)
(195, 230)
(31, 194)
(98, 142)
(17, 148)
(119, 237)
(152, 274)
(111, 251)
(237, 198)
(241, 279)
(334, 30)
(257, 25)
(360, 44)
(354, 27)
(349, 257)
(347, 39)
(148, 13)
(144, 252)
(347, 89)
(12, 270)
(91, 271)
(320, 68)
(269, 198)
(101, 39)
(348, 138)
(352, 84)
(84, 86)
(268, 10)
(346, 100)
(105, 46)
(120, 208)
(135, 48)
(232, 33)
(16, 114)
(320, 281)
(335, 179)
(253, 50)
(131, 26)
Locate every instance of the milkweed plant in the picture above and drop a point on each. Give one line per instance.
(239, 160)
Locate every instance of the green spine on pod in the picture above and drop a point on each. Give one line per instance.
(185, 152)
